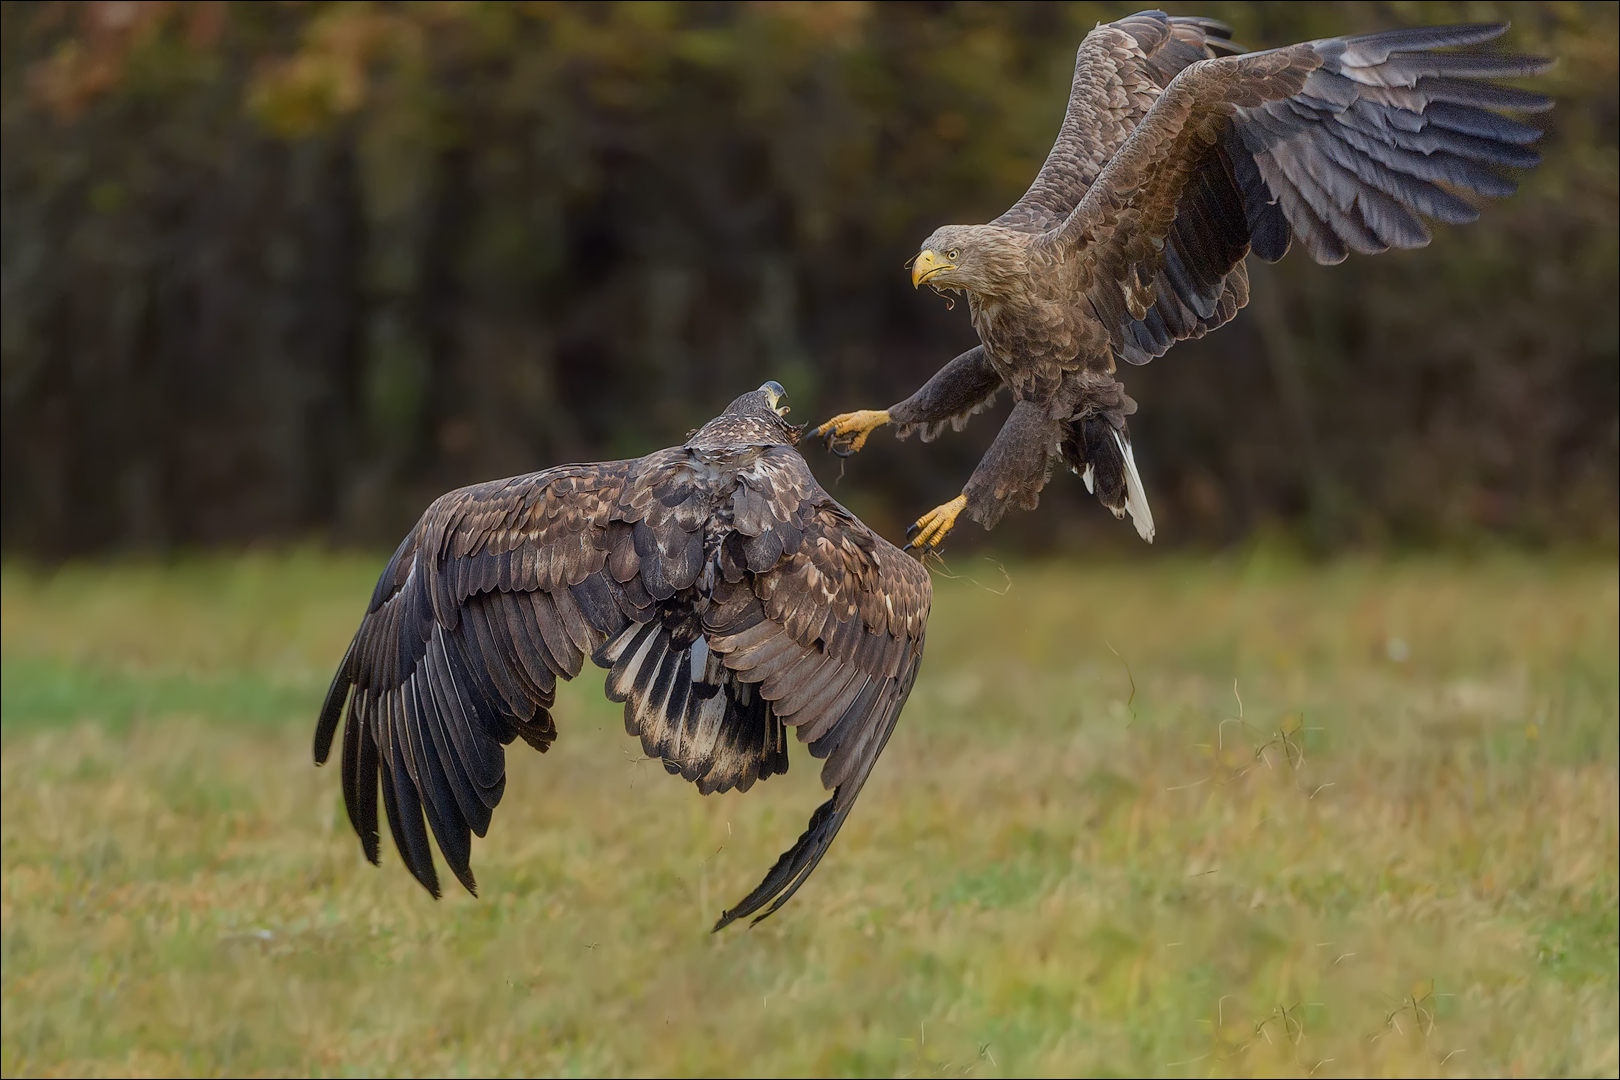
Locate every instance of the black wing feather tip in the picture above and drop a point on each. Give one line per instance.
(792, 868)
(360, 787)
(444, 816)
(332, 710)
(410, 831)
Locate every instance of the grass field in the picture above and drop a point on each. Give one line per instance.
(1354, 819)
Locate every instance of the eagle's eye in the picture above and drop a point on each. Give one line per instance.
(952, 254)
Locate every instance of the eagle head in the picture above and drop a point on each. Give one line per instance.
(984, 260)
(757, 418)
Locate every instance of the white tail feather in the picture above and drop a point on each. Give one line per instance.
(1087, 476)
(626, 680)
(1136, 503)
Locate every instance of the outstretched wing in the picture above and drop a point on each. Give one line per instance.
(1118, 73)
(827, 620)
(801, 618)
(1343, 142)
(497, 593)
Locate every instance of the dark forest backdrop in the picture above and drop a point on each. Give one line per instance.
(280, 269)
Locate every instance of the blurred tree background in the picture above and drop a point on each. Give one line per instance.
(274, 269)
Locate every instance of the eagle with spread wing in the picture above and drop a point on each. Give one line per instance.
(729, 597)
(1179, 155)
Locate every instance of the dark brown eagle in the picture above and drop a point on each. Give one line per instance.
(728, 595)
(1180, 154)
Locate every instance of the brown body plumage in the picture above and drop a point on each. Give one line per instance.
(728, 595)
(1180, 154)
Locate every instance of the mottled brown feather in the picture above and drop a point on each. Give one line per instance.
(1180, 153)
(504, 587)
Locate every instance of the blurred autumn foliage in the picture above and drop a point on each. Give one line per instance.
(274, 268)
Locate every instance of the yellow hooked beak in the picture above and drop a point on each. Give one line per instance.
(928, 265)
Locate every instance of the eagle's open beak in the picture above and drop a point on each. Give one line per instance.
(928, 265)
(773, 394)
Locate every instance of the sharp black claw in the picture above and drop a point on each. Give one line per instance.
(837, 451)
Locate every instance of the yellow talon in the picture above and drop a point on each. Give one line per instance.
(847, 432)
(932, 527)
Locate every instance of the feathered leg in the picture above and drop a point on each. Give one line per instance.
(957, 391)
(1009, 476)
(1098, 448)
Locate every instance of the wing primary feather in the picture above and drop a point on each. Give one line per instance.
(363, 815)
(355, 775)
(332, 708)
(1467, 120)
(467, 802)
(792, 867)
(1375, 48)
(480, 752)
(438, 797)
(405, 819)
(810, 682)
